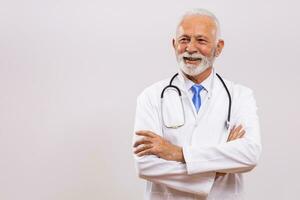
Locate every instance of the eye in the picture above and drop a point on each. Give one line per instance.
(183, 40)
(202, 41)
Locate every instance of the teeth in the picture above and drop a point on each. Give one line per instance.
(192, 59)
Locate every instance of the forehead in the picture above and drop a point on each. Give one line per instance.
(197, 25)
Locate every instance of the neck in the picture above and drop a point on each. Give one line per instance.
(200, 77)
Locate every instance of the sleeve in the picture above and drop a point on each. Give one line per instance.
(170, 173)
(237, 156)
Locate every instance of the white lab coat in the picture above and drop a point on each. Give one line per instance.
(204, 141)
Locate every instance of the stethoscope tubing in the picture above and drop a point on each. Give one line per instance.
(224, 85)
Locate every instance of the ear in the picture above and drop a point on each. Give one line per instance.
(219, 48)
(173, 43)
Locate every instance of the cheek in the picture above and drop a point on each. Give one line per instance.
(181, 48)
(205, 50)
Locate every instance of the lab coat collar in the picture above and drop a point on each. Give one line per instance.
(186, 83)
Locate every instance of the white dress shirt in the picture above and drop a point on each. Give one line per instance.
(207, 84)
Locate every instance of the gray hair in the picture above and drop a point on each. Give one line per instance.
(202, 12)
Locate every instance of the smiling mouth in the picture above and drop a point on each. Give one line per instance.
(191, 59)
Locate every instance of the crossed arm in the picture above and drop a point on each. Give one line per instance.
(153, 144)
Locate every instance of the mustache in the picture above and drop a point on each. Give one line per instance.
(194, 55)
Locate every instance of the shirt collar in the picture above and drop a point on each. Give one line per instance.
(207, 83)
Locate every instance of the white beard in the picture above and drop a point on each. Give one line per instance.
(193, 70)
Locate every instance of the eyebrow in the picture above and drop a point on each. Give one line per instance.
(202, 36)
(197, 36)
(181, 36)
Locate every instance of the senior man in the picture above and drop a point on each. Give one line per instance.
(182, 145)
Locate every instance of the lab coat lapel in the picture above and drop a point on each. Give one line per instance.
(185, 97)
(207, 103)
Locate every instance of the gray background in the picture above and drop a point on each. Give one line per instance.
(70, 72)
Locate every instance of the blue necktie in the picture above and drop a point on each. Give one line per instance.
(196, 98)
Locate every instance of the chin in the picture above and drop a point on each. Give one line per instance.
(193, 70)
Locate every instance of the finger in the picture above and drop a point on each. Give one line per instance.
(239, 128)
(146, 133)
(232, 129)
(234, 136)
(234, 133)
(230, 136)
(145, 152)
(142, 148)
(231, 133)
(144, 140)
(237, 135)
(241, 134)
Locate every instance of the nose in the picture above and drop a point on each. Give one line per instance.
(191, 48)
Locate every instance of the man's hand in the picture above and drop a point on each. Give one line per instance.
(235, 133)
(153, 144)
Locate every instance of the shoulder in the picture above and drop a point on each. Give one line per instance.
(241, 95)
(241, 91)
(243, 101)
(152, 93)
(237, 89)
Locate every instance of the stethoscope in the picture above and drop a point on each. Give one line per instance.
(171, 86)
